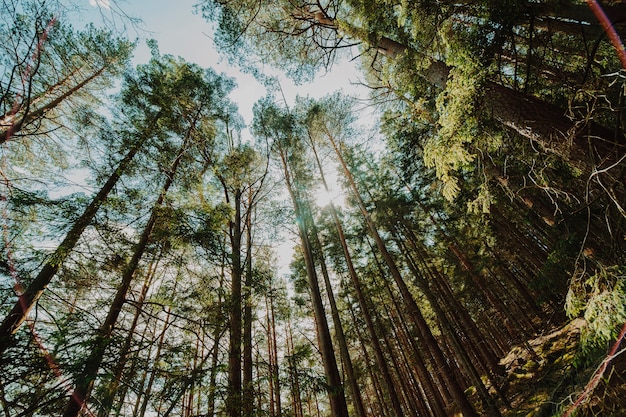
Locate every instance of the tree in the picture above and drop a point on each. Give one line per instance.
(49, 64)
(319, 32)
(276, 125)
(193, 119)
(414, 311)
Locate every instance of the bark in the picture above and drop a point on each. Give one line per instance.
(339, 333)
(381, 364)
(585, 145)
(85, 381)
(248, 387)
(451, 334)
(414, 312)
(335, 387)
(234, 399)
(35, 289)
(275, 393)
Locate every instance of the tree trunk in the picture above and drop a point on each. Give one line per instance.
(234, 399)
(339, 333)
(415, 314)
(29, 297)
(111, 389)
(85, 381)
(248, 387)
(335, 387)
(148, 390)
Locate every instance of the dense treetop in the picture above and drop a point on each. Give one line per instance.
(473, 264)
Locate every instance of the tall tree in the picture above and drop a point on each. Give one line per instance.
(276, 125)
(48, 64)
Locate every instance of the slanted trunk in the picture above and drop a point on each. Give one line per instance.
(335, 387)
(414, 312)
(85, 381)
(357, 400)
(111, 389)
(9, 125)
(35, 289)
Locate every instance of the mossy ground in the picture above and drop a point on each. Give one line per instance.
(548, 380)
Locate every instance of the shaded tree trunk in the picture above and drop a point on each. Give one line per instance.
(414, 312)
(85, 381)
(335, 387)
(11, 324)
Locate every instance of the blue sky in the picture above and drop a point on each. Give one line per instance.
(181, 32)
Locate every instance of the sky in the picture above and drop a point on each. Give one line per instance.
(182, 32)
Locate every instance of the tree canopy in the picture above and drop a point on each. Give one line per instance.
(471, 262)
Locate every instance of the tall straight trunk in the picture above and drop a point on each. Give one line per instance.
(106, 402)
(335, 389)
(339, 333)
(11, 324)
(248, 387)
(380, 402)
(415, 313)
(356, 285)
(274, 378)
(234, 398)
(85, 381)
(296, 391)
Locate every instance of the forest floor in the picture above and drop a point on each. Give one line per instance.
(543, 377)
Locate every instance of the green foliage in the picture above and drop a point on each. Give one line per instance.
(601, 300)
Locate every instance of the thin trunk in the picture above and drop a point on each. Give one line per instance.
(434, 388)
(414, 312)
(234, 398)
(275, 397)
(111, 389)
(270, 355)
(142, 383)
(217, 335)
(295, 380)
(11, 127)
(85, 381)
(189, 382)
(339, 333)
(248, 387)
(153, 372)
(29, 297)
(381, 403)
(335, 387)
(213, 375)
(449, 332)
(276, 374)
(363, 305)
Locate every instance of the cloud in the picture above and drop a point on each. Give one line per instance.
(101, 3)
